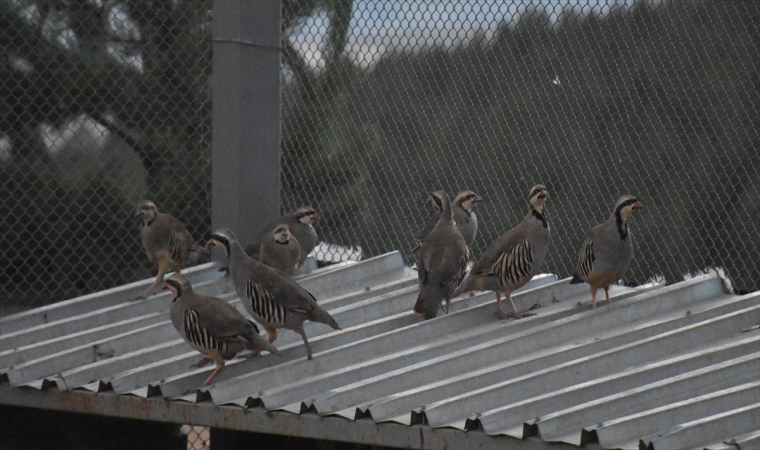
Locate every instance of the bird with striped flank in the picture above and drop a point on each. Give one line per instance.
(514, 258)
(167, 242)
(212, 326)
(442, 262)
(273, 299)
(607, 250)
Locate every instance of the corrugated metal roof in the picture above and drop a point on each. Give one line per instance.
(662, 367)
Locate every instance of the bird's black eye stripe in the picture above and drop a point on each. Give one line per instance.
(223, 240)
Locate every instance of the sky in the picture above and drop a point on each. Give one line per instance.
(382, 27)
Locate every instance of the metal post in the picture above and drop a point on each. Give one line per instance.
(245, 174)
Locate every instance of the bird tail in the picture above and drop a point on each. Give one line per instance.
(272, 349)
(576, 279)
(322, 316)
(464, 286)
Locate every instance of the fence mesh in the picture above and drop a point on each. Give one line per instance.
(107, 102)
(104, 103)
(385, 101)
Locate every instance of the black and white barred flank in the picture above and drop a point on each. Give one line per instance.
(586, 259)
(200, 336)
(515, 265)
(263, 304)
(177, 246)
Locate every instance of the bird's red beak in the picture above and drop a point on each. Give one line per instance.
(638, 205)
(315, 217)
(543, 194)
(166, 286)
(429, 199)
(477, 199)
(209, 244)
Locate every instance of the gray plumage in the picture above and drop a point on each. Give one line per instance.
(464, 217)
(167, 242)
(273, 299)
(280, 250)
(607, 250)
(514, 258)
(442, 262)
(212, 326)
(300, 225)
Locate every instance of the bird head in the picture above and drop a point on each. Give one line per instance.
(537, 197)
(178, 284)
(282, 234)
(306, 215)
(147, 210)
(625, 205)
(435, 200)
(222, 238)
(466, 199)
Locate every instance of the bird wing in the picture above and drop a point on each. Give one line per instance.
(272, 290)
(586, 258)
(221, 319)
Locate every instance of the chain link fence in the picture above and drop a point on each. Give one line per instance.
(385, 101)
(107, 102)
(104, 103)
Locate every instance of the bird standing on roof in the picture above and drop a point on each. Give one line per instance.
(280, 250)
(442, 262)
(514, 258)
(464, 217)
(300, 223)
(273, 299)
(166, 241)
(212, 326)
(607, 251)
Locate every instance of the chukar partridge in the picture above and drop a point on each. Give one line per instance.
(442, 262)
(273, 299)
(280, 250)
(514, 258)
(166, 241)
(464, 217)
(300, 223)
(607, 251)
(212, 326)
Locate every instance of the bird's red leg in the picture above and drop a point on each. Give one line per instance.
(305, 343)
(219, 367)
(607, 293)
(499, 311)
(593, 297)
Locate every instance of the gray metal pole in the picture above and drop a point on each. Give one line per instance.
(245, 174)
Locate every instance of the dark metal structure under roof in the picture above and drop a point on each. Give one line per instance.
(663, 367)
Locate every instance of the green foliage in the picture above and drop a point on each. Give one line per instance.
(67, 218)
(660, 103)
